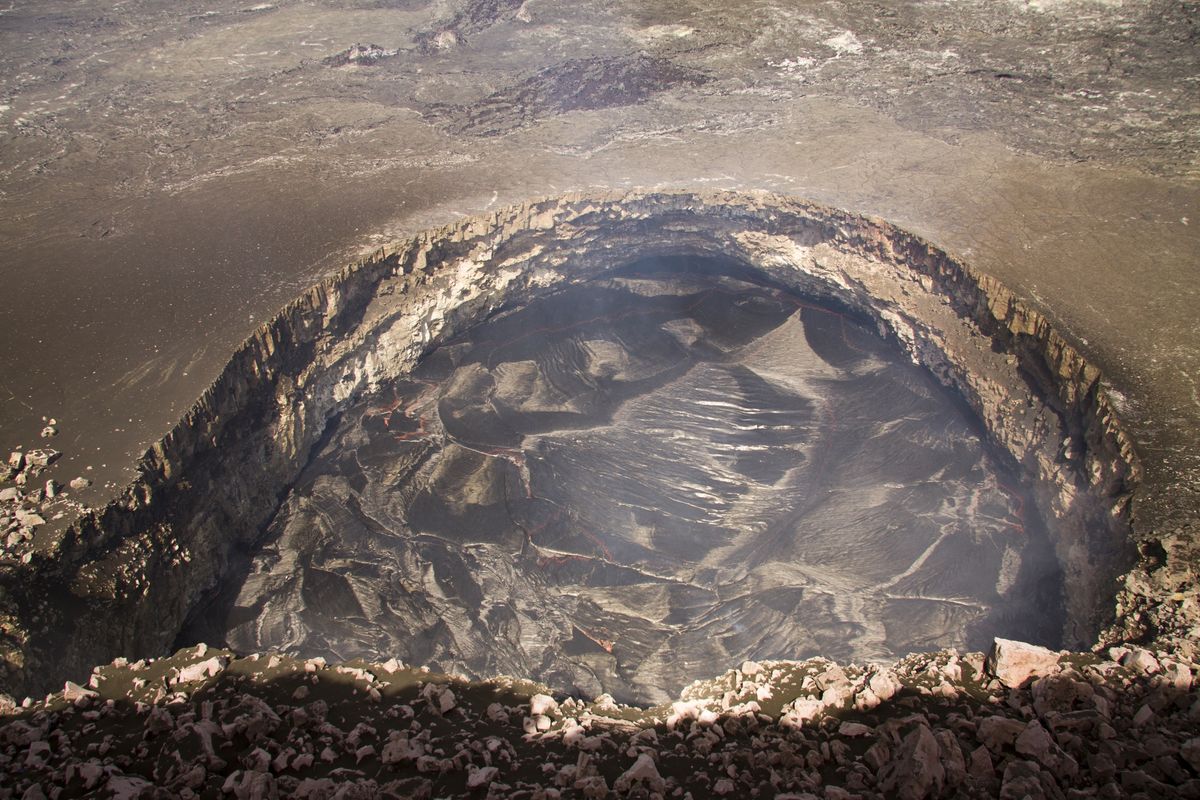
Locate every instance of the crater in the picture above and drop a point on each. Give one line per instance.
(615, 487)
(615, 444)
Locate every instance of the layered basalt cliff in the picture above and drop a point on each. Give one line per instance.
(124, 580)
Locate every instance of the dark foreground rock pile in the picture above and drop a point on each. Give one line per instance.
(1024, 722)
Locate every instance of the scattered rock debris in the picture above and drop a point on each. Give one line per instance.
(206, 723)
(29, 497)
(359, 55)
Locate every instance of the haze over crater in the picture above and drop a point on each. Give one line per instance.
(616, 487)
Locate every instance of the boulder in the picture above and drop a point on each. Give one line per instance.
(42, 457)
(202, 669)
(884, 684)
(1140, 660)
(643, 771)
(542, 704)
(1037, 743)
(952, 758)
(916, 772)
(1013, 663)
(73, 691)
(997, 732)
(1022, 781)
(481, 777)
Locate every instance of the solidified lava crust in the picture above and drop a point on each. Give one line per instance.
(611, 488)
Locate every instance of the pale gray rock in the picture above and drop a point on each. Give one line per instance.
(542, 704)
(1179, 675)
(30, 519)
(202, 669)
(1140, 660)
(73, 691)
(41, 457)
(1013, 662)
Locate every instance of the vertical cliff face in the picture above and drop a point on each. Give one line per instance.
(123, 580)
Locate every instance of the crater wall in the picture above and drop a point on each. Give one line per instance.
(123, 580)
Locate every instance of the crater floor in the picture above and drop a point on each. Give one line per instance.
(627, 484)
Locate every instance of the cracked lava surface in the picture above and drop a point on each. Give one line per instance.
(621, 486)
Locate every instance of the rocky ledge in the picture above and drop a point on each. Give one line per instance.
(1022, 722)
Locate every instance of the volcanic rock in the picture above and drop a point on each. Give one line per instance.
(997, 732)
(1014, 662)
(41, 457)
(916, 771)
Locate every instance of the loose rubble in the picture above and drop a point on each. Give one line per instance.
(204, 722)
(359, 55)
(30, 496)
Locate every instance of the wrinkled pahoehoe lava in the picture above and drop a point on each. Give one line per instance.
(616, 487)
(630, 480)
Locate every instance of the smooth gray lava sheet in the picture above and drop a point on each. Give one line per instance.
(634, 482)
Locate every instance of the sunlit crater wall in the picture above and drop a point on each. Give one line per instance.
(124, 580)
